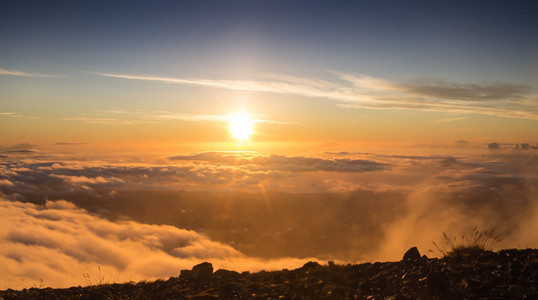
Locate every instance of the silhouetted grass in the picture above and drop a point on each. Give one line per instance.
(88, 279)
(478, 241)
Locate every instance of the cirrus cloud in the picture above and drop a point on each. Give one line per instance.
(361, 91)
(27, 74)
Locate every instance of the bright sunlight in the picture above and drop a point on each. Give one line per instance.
(241, 126)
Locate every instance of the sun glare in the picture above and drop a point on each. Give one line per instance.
(241, 126)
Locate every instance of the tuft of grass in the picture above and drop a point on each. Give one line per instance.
(88, 278)
(477, 242)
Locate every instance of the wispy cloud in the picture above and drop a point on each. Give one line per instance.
(360, 91)
(442, 89)
(137, 117)
(69, 143)
(447, 120)
(27, 74)
(16, 115)
(273, 83)
(108, 121)
(218, 118)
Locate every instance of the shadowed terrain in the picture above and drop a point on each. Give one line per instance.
(507, 274)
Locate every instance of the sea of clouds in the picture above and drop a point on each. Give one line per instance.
(72, 220)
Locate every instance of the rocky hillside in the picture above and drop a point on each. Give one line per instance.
(507, 274)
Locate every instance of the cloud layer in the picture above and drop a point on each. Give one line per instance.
(244, 210)
(287, 163)
(213, 170)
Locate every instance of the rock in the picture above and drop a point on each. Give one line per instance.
(185, 274)
(310, 265)
(228, 289)
(411, 254)
(437, 284)
(226, 274)
(202, 271)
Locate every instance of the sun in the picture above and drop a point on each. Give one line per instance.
(241, 126)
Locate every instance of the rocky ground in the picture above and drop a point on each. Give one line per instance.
(507, 274)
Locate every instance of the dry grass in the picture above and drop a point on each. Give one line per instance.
(89, 281)
(477, 242)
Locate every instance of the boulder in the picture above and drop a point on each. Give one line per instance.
(310, 265)
(185, 274)
(411, 254)
(202, 271)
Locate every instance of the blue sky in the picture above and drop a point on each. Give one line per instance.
(496, 40)
(458, 57)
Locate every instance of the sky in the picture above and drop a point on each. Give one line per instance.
(359, 72)
(139, 138)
